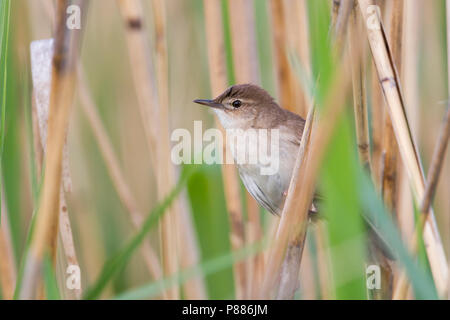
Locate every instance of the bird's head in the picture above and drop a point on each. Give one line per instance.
(239, 105)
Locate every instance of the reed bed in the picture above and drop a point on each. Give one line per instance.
(90, 182)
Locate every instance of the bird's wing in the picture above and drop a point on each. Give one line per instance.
(259, 195)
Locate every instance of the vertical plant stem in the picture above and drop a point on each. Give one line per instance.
(359, 98)
(291, 264)
(401, 289)
(41, 57)
(184, 236)
(297, 33)
(246, 70)
(166, 174)
(410, 77)
(390, 150)
(340, 26)
(116, 174)
(391, 86)
(303, 182)
(218, 79)
(287, 83)
(66, 51)
(153, 103)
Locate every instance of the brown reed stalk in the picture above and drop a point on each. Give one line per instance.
(390, 149)
(165, 171)
(142, 70)
(391, 86)
(38, 152)
(7, 265)
(359, 97)
(246, 70)
(243, 41)
(297, 32)
(401, 289)
(340, 24)
(112, 165)
(218, 79)
(153, 102)
(334, 12)
(410, 78)
(293, 220)
(66, 47)
(377, 125)
(41, 57)
(362, 138)
(287, 83)
(390, 175)
(291, 264)
(410, 58)
(184, 237)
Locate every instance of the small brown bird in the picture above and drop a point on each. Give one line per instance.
(247, 106)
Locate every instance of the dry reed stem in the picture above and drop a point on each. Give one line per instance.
(409, 71)
(410, 78)
(153, 104)
(42, 53)
(142, 70)
(67, 44)
(291, 264)
(391, 87)
(334, 12)
(165, 171)
(359, 97)
(185, 237)
(390, 149)
(436, 164)
(292, 223)
(38, 152)
(287, 83)
(118, 179)
(246, 70)
(340, 25)
(390, 176)
(362, 138)
(218, 79)
(401, 289)
(7, 265)
(297, 31)
(377, 124)
(243, 37)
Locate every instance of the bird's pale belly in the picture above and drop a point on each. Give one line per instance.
(269, 190)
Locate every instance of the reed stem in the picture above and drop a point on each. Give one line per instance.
(390, 84)
(218, 79)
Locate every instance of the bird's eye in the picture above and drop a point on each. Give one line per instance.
(237, 103)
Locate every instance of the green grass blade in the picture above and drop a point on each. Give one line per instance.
(4, 39)
(118, 261)
(346, 230)
(51, 286)
(208, 206)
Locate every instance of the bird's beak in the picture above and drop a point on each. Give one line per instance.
(209, 103)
